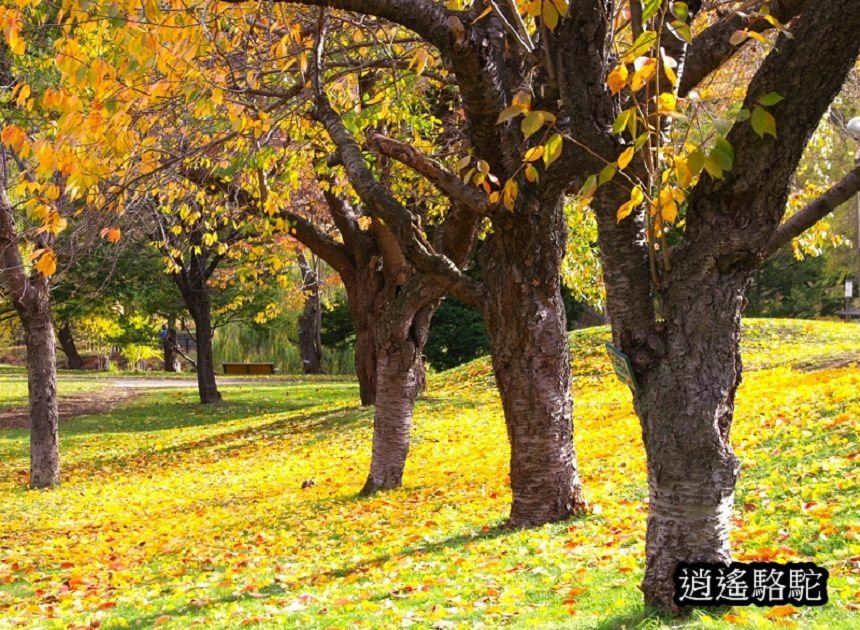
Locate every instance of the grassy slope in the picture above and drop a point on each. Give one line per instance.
(173, 515)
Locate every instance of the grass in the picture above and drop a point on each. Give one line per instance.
(176, 515)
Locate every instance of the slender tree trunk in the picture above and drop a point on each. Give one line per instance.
(400, 340)
(67, 342)
(310, 322)
(171, 357)
(686, 405)
(531, 358)
(206, 384)
(42, 384)
(195, 293)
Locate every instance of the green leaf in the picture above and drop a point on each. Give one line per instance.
(650, 9)
(532, 123)
(606, 174)
(696, 161)
(724, 153)
(620, 123)
(680, 10)
(552, 149)
(770, 99)
(643, 44)
(763, 122)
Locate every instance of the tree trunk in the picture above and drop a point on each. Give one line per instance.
(686, 404)
(525, 319)
(364, 289)
(206, 384)
(195, 292)
(67, 342)
(310, 322)
(42, 384)
(31, 296)
(365, 360)
(399, 372)
(171, 357)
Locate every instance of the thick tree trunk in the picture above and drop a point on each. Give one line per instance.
(686, 406)
(400, 371)
(310, 322)
(67, 342)
(531, 358)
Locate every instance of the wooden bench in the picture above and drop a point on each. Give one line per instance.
(249, 368)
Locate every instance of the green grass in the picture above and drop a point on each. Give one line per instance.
(181, 515)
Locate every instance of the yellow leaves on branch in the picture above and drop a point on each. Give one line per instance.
(15, 138)
(10, 24)
(617, 79)
(636, 198)
(46, 261)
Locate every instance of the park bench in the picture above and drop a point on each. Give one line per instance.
(249, 368)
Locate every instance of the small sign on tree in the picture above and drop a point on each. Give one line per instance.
(623, 367)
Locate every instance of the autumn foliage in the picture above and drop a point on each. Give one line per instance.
(171, 515)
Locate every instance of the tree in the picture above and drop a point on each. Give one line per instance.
(556, 91)
(27, 285)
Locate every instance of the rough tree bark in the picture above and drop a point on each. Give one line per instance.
(31, 297)
(688, 362)
(310, 322)
(526, 322)
(67, 342)
(401, 333)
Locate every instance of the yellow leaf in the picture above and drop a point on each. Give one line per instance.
(644, 74)
(509, 194)
(534, 153)
(667, 103)
(624, 211)
(625, 157)
(617, 79)
(23, 91)
(532, 123)
(47, 263)
(13, 137)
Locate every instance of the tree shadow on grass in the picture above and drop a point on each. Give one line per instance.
(319, 423)
(284, 588)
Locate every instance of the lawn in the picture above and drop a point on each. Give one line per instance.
(174, 515)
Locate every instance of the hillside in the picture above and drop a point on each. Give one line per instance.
(173, 515)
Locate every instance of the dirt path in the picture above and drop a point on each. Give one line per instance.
(71, 406)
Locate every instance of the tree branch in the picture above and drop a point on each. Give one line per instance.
(444, 180)
(427, 18)
(712, 48)
(382, 204)
(814, 211)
